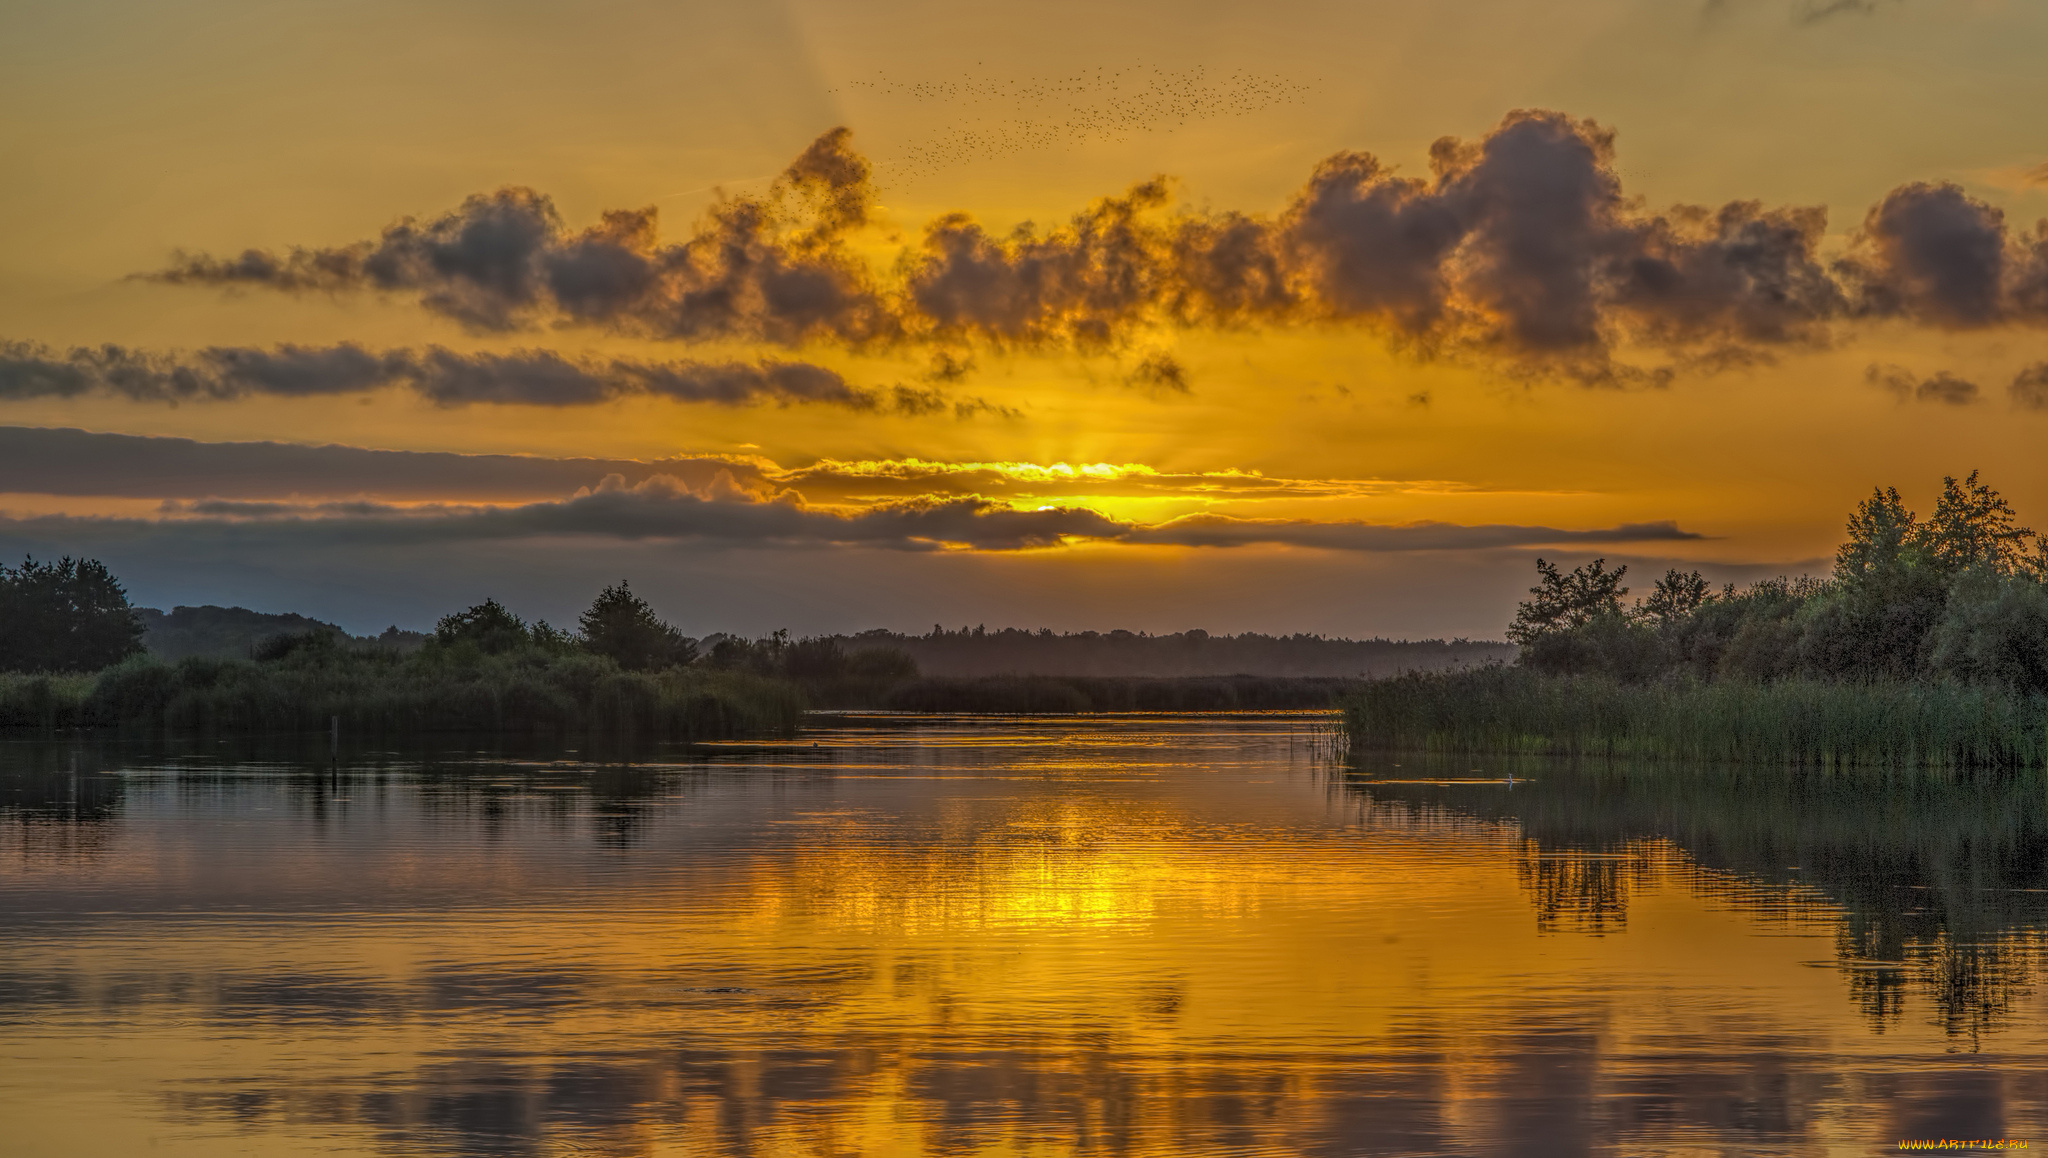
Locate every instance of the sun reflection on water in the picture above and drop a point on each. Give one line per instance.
(1135, 937)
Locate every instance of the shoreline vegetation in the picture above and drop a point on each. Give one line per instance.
(1926, 647)
(624, 675)
(1515, 711)
(72, 657)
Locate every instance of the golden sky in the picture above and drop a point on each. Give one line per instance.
(1330, 316)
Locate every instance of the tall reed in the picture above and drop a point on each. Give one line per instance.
(527, 692)
(1514, 710)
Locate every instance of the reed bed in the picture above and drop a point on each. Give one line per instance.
(1504, 710)
(520, 694)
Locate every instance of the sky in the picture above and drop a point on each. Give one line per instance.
(1302, 316)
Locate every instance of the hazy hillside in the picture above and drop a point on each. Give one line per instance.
(233, 632)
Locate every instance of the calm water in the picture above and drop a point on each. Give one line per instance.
(1140, 935)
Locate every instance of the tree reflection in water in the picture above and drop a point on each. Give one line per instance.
(1937, 882)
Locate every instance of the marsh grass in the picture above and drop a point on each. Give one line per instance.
(1504, 710)
(42, 701)
(528, 692)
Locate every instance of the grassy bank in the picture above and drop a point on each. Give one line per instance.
(1500, 710)
(448, 689)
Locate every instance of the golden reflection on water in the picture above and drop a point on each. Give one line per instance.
(1133, 937)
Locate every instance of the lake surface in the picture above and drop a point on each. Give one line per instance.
(1143, 935)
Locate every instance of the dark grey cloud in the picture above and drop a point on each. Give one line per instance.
(769, 267)
(1933, 254)
(1942, 386)
(1739, 276)
(1086, 284)
(2027, 276)
(36, 460)
(661, 507)
(728, 510)
(30, 370)
(1807, 12)
(442, 376)
(2029, 389)
(1816, 11)
(1360, 243)
(1524, 243)
(1521, 244)
(1538, 200)
(77, 462)
(1157, 371)
(1222, 531)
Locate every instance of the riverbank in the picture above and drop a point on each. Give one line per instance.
(535, 693)
(525, 693)
(1504, 710)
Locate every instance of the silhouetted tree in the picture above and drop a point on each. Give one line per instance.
(71, 615)
(1973, 527)
(1561, 602)
(1884, 539)
(1677, 594)
(621, 625)
(488, 625)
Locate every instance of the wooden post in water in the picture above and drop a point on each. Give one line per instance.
(334, 737)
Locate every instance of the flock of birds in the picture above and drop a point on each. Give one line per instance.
(998, 118)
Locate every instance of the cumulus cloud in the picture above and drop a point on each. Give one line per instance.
(1942, 387)
(443, 377)
(771, 267)
(1521, 244)
(1932, 253)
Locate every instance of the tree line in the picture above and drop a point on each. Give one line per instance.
(74, 616)
(1959, 595)
(71, 615)
(622, 675)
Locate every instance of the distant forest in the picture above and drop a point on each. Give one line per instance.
(1011, 651)
(236, 633)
